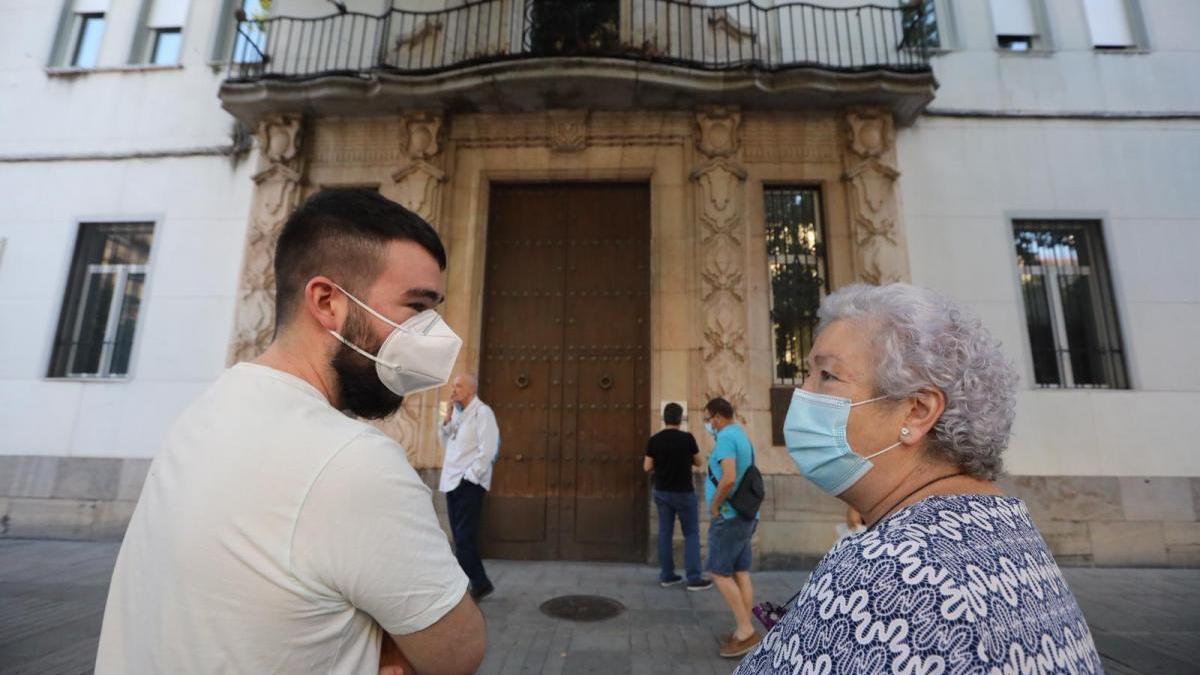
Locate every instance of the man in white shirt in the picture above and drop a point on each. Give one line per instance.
(472, 439)
(276, 534)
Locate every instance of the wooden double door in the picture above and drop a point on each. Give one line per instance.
(565, 365)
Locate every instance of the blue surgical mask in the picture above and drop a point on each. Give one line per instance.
(709, 428)
(815, 433)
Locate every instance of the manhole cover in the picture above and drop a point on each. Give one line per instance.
(582, 607)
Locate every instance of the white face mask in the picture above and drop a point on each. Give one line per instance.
(418, 355)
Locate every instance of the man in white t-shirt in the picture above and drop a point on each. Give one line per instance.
(276, 534)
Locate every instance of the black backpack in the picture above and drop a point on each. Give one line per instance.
(748, 496)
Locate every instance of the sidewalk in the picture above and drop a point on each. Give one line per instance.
(52, 599)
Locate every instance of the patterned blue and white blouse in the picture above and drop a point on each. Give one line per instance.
(951, 584)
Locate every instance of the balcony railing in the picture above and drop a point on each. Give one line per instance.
(736, 36)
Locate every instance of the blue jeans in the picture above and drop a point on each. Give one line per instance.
(683, 505)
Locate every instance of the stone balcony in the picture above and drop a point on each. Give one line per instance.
(523, 55)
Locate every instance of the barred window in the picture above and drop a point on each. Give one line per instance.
(796, 271)
(1074, 337)
(796, 265)
(104, 295)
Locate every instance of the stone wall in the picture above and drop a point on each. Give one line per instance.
(68, 497)
(1087, 521)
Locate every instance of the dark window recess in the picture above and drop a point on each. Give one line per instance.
(1015, 43)
(919, 20)
(104, 295)
(574, 26)
(1074, 336)
(796, 272)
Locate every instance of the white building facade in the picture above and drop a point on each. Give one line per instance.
(1047, 182)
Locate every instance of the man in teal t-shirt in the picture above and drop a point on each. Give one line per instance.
(729, 533)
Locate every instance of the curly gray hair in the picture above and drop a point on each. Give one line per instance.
(927, 339)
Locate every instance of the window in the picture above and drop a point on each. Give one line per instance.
(165, 50)
(1073, 334)
(104, 295)
(1110, 24)
(796, 271)
(1015, 24)
(920, 24)
(86, 48)
(80, 33)
(161, 35)
(246, 42)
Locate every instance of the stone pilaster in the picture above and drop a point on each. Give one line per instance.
(277, 193)
(417, 185)
(720, 207)
(880, 249)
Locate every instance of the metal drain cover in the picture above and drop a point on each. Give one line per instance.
(582, 607)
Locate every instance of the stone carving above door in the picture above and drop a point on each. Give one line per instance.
(567, 130)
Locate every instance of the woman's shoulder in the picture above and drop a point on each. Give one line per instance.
(941, 538)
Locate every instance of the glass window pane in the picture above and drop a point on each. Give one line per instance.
(920, 24)
(166, 46)
(1041, 332)
(126, 324)
(796, 270)
(104, 253)
(124, 244)
(1068, 304)
(87, 44)
(92, 321)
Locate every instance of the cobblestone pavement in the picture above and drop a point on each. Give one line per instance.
(52, 598)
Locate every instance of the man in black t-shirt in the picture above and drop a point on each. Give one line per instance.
(671, 454)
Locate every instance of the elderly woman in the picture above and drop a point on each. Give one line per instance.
(904, 416)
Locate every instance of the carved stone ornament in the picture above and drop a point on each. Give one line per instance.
(417, 185)
(279, 138)
(421, 130)
(277, 192)
(567, 130)
(418, 188)
(418, 181)
(720, 196)
(879, 245)
(719, 132)
(871, 132)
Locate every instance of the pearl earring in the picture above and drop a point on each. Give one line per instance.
(905, 432)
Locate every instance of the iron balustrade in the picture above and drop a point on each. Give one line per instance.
(739, 35)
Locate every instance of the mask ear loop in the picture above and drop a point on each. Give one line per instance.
(890, 447)
(368, 308)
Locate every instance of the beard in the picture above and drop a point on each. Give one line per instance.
(359, 388)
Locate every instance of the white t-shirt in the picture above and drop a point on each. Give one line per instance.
(274, 535)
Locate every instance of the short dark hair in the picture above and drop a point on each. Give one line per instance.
(341, 233)
(673, 414)
(719, 406)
